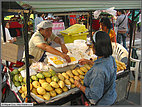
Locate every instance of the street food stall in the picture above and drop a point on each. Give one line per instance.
(58, 90)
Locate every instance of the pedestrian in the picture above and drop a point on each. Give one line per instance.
(99, 81)
(7, 34)
(121, 24)
(40, 43)
(105, 25)
(38, 19)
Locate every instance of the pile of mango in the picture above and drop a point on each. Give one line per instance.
(120, 65)
(49, 84)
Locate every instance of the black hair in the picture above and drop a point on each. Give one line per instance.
(39, 14)
(122, 11)
(102, 44)
(106, 22)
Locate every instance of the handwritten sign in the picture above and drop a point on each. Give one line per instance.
(57, 27)
(9, 52)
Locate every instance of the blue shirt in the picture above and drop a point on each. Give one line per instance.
(97, 80)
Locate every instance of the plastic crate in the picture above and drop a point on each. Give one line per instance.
(71, 38)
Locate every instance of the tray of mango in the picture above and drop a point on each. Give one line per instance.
(57, 61)
(120, 65)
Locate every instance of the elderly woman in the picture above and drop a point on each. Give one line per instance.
(40, 43)
(99, 81)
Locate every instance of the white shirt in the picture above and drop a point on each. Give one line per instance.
(37, 21)
(7, 35)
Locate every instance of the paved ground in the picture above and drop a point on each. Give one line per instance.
(133, 99)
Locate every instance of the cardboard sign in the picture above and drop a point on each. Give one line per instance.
(9, 52)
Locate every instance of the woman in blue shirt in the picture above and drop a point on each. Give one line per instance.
(101, 77)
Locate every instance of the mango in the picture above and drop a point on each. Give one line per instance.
(65, 75)
(52, 93)
(72, 86)
(16, 77)
(75, 72)
(58, 90)
(55, 78)
(54, 84)
(15, 71)
(69, 73)
(21, 69)
(65, 89)
(84, 69)
(61, 77)
(20, 91)
(41, 91)
(42, 81)
(47, 74)
(46, 96)
(67, 82)
(61, 84)
(81, 76)
(17, 84)
(34, 77)
(87, 66)
(36, 84)
(24, 87)
(47, 86)
(80, 72)
(20, 78)
(22, 83)
(40, 75)
(52, 72)
(23, 95)
(34, 90)
(48, 80)
(76, 78)
(71, 80)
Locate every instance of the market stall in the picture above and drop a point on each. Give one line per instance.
(64, 97)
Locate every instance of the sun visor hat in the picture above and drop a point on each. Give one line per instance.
(45, 24)
(94, 36)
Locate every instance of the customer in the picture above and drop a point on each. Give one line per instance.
(121, 24)
(7, 34)
(38, 19)
(99, 81)
(40, 40)
(105, 25)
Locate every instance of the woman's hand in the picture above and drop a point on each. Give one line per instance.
(83, 61)
(77, 83)
(64, 49)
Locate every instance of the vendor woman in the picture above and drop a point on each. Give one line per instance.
(99, 81)
(39, 43)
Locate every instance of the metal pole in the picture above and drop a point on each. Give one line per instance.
(28, 97)
(131, 36)
(91, 38)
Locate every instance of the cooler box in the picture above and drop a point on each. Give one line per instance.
(76, 31)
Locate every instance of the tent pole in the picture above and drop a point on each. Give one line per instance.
(28, 97)
(91, 38)
(131, 36)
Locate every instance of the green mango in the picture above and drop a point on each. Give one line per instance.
(34, 77)
(22, 83)
(16, 77)
(21, 69)
(15, 71)
(55, 78)
(17, 84)
(40, 75)
(47, 74)
(20, 78)
(52, 72)
(13, 80)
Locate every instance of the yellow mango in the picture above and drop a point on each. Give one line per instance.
(71, 80)
(76, 78)
(46, 96)
(47, 86)
(36, 84)
(58, 90)
(61, 77)
(34, 90)
(75, 72)
(69, 73)
(65, 75)
(54, 84)
(73, 86)
(84, 69)
(80, 72)
(87, 66)
(41, 90)
(82, 82)
(41, 81)
(61, 84)
(48, 80)
(81, 76)
(53, 93)
(67, 82)
(65, 89)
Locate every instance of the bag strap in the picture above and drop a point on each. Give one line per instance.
(111, 82)
(122, 21)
